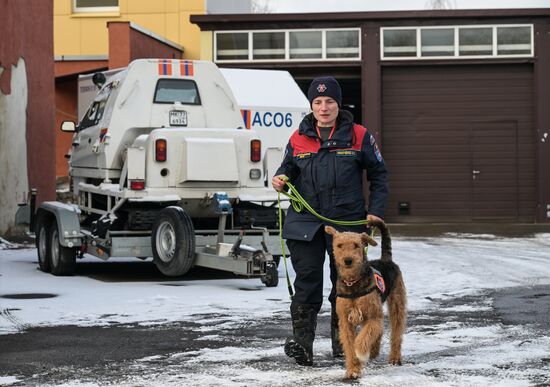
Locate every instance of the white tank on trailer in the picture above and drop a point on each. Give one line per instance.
(272, 104)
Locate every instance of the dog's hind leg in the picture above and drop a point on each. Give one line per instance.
(397, 306)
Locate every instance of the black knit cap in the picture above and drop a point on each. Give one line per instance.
(325, 87)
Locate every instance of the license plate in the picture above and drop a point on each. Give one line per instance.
(178, 118)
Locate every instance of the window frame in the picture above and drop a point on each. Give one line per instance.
(251, 44)
(100, 104)
(322, 48)
(326, 48)
(495, 43)
(419, 46)
(492, 43)
(98, 9)
(249, 51)
(456, 54)
(287, 46)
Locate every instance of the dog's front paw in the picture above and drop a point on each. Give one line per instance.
(363, 357)
(353, 374)
(395, 360)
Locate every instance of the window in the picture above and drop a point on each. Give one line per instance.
(399, 43)
(232, 46)
(306, 44)
(457, 42)
(513, 40)
(177, 90)
(475, 41)
(342, 44)
(95, 5)
(96, 110)
(268, 45)
(437, 42)
(280, 45)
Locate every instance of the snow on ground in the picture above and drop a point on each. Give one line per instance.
(4, 244)
(437, 352)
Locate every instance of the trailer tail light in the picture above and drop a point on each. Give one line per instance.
(255, 150)
(137, 185)
(160, 150)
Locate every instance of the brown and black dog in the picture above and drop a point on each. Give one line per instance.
(362, 287)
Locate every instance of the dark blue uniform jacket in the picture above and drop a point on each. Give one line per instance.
(329, 175)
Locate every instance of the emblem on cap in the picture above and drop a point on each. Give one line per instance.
(321, 88)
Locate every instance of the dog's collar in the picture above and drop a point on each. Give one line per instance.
(349, 284)
(358, 294)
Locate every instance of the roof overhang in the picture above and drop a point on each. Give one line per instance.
(283, 20)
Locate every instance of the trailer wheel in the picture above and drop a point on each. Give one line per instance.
(43, 243)
(271, 277)
(173, 242)
(63, 259)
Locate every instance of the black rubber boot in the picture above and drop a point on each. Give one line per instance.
(334, 333)
(304, 321)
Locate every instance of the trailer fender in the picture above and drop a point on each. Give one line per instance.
(68, 222)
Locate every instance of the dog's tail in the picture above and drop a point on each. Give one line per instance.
(386, 239)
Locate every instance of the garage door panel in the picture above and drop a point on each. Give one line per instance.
(429, 116)
(453, 170)
(446, 103)
(408, 89)
(428, 145)
(433, 74)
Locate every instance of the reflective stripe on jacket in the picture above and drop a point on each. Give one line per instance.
(329, 175)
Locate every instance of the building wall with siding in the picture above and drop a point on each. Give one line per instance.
(86, 34)
(27, 140)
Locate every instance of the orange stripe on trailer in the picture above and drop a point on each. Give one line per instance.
(246, 114)
(186, 68)
(165, 67)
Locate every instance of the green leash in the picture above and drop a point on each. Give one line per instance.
(299, 203)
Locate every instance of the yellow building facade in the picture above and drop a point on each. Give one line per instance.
(81, 31)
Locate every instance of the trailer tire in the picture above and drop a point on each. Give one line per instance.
(62, 259)
(173, 242)
(43, 225)
(271, 277)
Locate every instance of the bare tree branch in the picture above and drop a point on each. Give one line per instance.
(440, 4)
(259, 6)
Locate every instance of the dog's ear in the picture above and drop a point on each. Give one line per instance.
(367, 239)
(330, 230)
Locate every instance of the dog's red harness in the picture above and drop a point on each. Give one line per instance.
(379, 285)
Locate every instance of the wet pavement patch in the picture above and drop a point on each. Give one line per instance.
(251, 289)
(28, 296)
(523, 305)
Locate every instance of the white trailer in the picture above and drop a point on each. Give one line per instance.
(271, 104)
(161, 165)
(270, 101)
